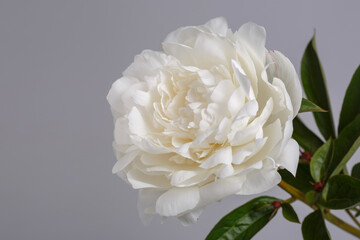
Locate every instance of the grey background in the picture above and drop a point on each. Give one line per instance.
(57, 62)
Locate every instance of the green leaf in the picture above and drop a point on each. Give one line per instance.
(313, 227)
(305, 137)
(302, 179)
(289, 213)
(314, 85)
(347, 157)
(355, 172)
(345, 146)
(321, 160)
(308, 106)
(341, 191)
(245, 221)
(350, 107)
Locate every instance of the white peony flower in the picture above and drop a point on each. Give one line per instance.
(208, 117)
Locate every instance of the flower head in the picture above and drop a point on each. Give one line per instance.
(207, 117)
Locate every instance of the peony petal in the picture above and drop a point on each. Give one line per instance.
(241, 77)
(207, 77)
(137, 123)
(243, 152)
(236, 102)
(115, 94)
(218, 25)
(121, 131)
(216, 191)
(181, 176)
(146, 203)
(148, 63)
(225, 171)
(221, 156)
(222, 131)
(247, 65)
(244, 136)
(285, 71)
(222, 92)
(124, 161)
(182, 52)
(248, 110)
(253, 37)
(191, 217)
(185, 36)
(290, 156)
(142, 98)
(261, 180)
(265, 114)
(177, 201)
(138, 180)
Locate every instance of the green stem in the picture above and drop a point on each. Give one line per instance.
(290, 200)
(328, 216)
(352, 217)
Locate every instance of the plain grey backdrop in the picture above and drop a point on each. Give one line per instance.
(58, 60)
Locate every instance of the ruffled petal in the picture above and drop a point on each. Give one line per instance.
(289, 158)
(146, 204)
(191, 217)
(281, 67)
(218, 25)
(261, 180)
(253, 37)
(177, 201)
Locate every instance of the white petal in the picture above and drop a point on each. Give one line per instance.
(247, 65)
(117, 89)
(223, 129)
(207, 77)
(191, 217)
(241, 77)
(285, 71)
(289, 158)
(248, 150)
(148, 63)
(181, 176)
(200, 177)
(148, 146)
(221, 156)
(253, 37)
(244, 136)
(137, 123)
(216, 191)
(177, 200)
(273, 132)
(265, 114)
(146, 204)
(248, 110)
(222, 92)
(278, 83)
(185, 36)
(261, 180)
(124, 161)
(138, 180)
(225, 171)
(236, 101)
(182, 52)
(142, 98)
(218, 25)
(121, 131)
(211, 51)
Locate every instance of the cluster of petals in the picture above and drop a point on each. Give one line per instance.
(208, 117)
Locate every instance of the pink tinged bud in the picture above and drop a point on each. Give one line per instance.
(276, 204)
(318, 187)
(306, 156)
